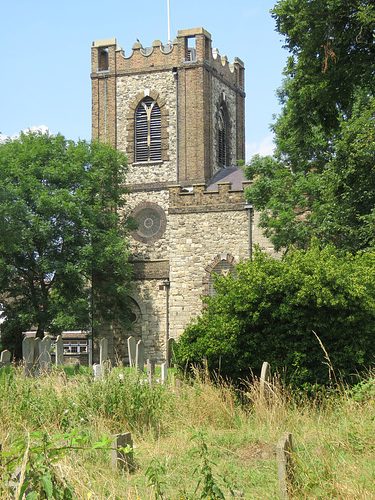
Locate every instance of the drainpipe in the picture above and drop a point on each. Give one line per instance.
(167, 285)
(250, 210)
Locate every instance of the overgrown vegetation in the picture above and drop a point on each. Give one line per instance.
(273, 309)
(201, 440)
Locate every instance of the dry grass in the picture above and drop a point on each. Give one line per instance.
(333, 435)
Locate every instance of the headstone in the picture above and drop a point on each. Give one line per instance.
(265, 377)
(45, 353)
(140, 356)
(131, 351)
(59, 351)
(170, 347)
(285, 468)
(77, 365)
(98, 372)
(103, 351)
(122, 459)
(164, 373)
(5, 358)
(150, 368)
(28, 347)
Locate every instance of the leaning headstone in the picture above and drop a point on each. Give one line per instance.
(131, 351)
(170, 347)
(265, 377)
(164, 373)
(59, 351)
(140, 356)
(28, 347)
(122, 451)
(45, 353)
(98, 372)
(285, 469)
(5, 358)
(103, 351)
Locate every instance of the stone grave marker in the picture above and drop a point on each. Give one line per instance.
(285, 468)
(265, 377)
(164, 373)
(98, 372)
(131, 351)
(120, 458)
(150, 369)
(59, 351)
(45, 353)
(103, 351)
(140, 356)
(28, 355)
(5, 358)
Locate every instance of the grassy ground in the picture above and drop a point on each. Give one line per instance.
(188, 439)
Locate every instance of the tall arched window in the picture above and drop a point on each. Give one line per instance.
(222, 137)
(148, 131)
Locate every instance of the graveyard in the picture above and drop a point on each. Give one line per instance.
(146, 432)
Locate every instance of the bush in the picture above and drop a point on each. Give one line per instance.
(272, 311)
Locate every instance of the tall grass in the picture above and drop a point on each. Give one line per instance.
(333, 434)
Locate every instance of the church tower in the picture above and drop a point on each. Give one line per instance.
(177, 111)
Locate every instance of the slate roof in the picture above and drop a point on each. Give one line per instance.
(235, 175)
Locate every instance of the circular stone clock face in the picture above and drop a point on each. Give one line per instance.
(151, 222)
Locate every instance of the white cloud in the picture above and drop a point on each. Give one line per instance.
(265, 147)
(40, 128)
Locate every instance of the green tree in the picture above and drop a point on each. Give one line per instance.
(63, 247)
(271, 311)
(320, 181)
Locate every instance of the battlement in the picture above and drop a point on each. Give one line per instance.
(196, 199)
(190, 47)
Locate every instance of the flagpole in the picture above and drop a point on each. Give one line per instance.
(169, 23)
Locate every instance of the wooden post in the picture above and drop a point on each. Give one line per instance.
(285, 467)
(120, 458)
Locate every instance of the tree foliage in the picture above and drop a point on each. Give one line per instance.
(62, 242)
(271, 311)
(320, 181)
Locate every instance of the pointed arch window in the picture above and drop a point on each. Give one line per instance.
(222, 268)
(148, 131)
(222, 137)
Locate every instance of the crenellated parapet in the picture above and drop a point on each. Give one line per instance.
(190, 47)
(198, 200)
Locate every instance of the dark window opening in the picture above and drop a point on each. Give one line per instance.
(103, 59)
(222, 138)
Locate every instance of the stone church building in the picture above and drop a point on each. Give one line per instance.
(178, 112)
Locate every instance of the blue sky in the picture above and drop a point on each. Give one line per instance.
(45, 56)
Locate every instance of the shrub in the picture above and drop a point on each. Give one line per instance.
(271, 311)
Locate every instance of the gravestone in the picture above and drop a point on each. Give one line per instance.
(164, 373)
(5, 358)
(45, 353)
(131, 351)
(150, 369)
(103, 351)
(59, 351)
(98, 372)
(285, 468)
(122, 459)
(28, 355)
(265, 377)
(140, 356)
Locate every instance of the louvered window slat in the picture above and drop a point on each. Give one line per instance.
(148, 131)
